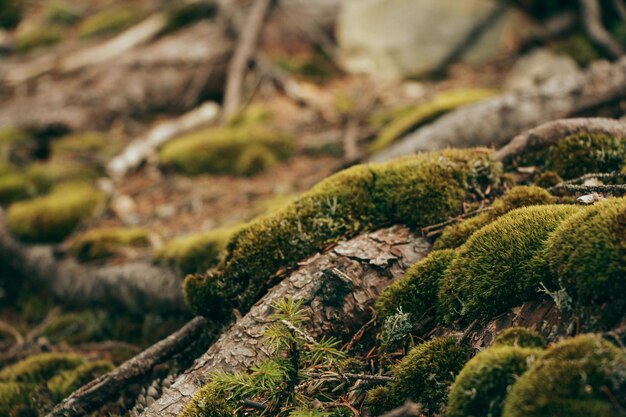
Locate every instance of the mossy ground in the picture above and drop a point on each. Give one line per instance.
(40, 367)
(434, 187)
(38, 37)
(520, 337)
(109, 21)
(105, 242)
(53, 217)
(229, 150)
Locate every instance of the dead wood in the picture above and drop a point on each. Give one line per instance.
(495, 121)
(96, 393)
(591, 15)
(549, 133)
(244, 51)
(337, 289)
(137, 286)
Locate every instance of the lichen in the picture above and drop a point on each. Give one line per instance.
(227, 150)
(571, 380)
(196, 252)
(455, 235)
(482, 386)
(107, 241)
(416, 292)
(53, 217)
(425, 112)
(40, 367)
(108, 21)
(433, 187)
(66, 382)
(496, 269)
(520, 337)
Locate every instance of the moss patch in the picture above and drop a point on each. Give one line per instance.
(183, 15)
(105, 242)
(570, 380)
(229, 150)
(520, 337)
(53, 217)
(483, 384)
(416, 292)
(15, 186)
(496, 269)
(86, 146)
(417, 191)
(30, 39)
(109, 21)
(426, 112)
(19, 400)
(196, 252)
(455, 235)
(64, 383)
(77, 327)
(208, 401)
(40, 367)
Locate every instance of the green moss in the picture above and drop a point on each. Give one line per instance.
(455, 235)
(433, 187)
(19, 400)
(77, 327)
(86, 145)
(587, 254)
(379, 400)
(580, 154)
(38, 37)
(580, 48)
(520, 337)
(105, 242)
(53, 217)
(570, 380)
(426, 112)
(16, 186)
(208, 401)
(483, 384)
(426, 373)
(495, 268)
(196, 252)
(40, 367)
(548, 179)
(416, 292)
(183, 15)
(108, 21)
(237, 151)
(62, 12)
(65, 383)
(10, 13)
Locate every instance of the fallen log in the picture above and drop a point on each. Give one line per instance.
(495, 121)
(137, 287)
(337, 289)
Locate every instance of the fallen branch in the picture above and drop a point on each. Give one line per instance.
(436, 229)
(591, 15)
(352, 377)
(335, 307)
(586, 177)
(141, 148)
(248, 39)
(549, 133)
(619, 188)
(495, 121)
(95, 394)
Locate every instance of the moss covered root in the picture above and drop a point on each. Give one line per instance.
(417, 191)
(571, 380)
(455, 235)
(104, 242)
(66, 382)
(496, 268)
(40, 367)
(483, 384)
(53, 217)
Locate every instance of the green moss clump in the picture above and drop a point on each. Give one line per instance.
(579, 154)
(38, 37)
(10, 13)
(496, 268)
(183, 15)
(580, 48)
(104, 242)
(570, 380)
(196, 252)
(76, 327)
(416, 292)
(426, 373)
(53, 217)
(587, 254)
(18, 400)
(109, 21)
(86, 146)
(65, 383)
(483, 384)
(15, 186)
(208, 401)
(40, 367)
(417, 191)
(228, 150)
(520, 337)
(426, 112)
(379, 400)
(455, 235)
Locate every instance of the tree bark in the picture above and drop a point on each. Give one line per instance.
(137, 286)
(337, 289)
(495, 121)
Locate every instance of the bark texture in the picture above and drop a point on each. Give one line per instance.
(135, 286)
(495, 121)
(337, 289)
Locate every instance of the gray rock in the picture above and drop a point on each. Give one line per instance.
(398, 38)
(539, 66)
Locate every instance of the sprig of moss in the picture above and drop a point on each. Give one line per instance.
(104, 242)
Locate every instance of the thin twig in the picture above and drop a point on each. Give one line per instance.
(582, 179)
(7, 328)
(350, 376)
(435, 229)
(466, 332)
(359, 334)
